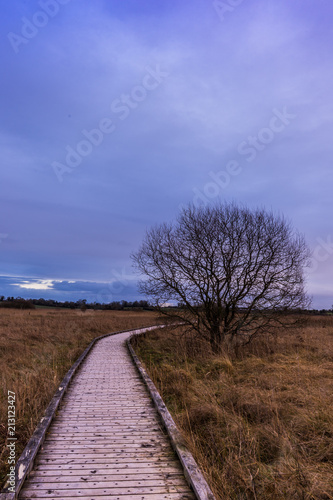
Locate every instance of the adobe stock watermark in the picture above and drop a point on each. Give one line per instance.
(121, 109)
(11, 441)
(322, 252)
(249, 149)
(225, 7)
(112, 290)
(31, 27)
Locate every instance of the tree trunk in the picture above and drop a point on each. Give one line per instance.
(216, 339)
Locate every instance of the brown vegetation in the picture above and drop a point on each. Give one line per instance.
(36, 350)
(260, 424)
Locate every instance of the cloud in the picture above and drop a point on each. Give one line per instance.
(225, 78)
(37, 285)
(122, 287)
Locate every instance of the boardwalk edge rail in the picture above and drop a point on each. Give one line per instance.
(192, 472)
(25, 463)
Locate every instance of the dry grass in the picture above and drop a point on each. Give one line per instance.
(260, 424)
(37, 348)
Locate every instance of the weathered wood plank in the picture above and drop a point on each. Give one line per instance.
(115, 457)
(116, 422)
(110, 444)
(116, 460)
(132, 496)
(115, 434)
(87, 435)
(102, 464)
(121, 441)
(102, 473)
(104, 482)
(106, 492)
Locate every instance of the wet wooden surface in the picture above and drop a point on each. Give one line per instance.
(106, 441)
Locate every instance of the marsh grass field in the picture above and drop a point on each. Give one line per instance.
(260, 424)
(37, 348)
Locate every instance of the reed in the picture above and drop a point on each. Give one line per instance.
(259, 423)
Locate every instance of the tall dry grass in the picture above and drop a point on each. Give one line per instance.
(260, 424)
(37, 348)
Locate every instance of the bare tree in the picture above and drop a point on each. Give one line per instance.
(234, 270)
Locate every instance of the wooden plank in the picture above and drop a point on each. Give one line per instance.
(104, 411)
(122, 457)
(103, 482)
(116, 421)
(74, 462)
(120, 475)
(126, 432)
(102, 464)
(132, 496)
(108, 452)
(111, 415)
(29, 493)
(121, 441)
(115, 434)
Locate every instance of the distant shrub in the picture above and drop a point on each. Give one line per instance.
(17, 304)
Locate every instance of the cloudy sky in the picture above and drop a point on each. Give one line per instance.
(117, 113)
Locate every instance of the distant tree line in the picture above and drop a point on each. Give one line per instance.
(123, 305)
(319, 311)
(20, 303)
(16, 303)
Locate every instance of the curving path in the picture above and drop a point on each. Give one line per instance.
(106, 441)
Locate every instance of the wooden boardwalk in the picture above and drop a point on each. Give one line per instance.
(106, 441)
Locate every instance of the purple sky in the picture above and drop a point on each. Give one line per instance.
(114, 114)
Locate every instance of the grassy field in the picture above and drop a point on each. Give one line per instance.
(37, 347)
(260, 424)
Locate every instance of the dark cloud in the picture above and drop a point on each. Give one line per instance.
(167, 95)
(117, 290)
